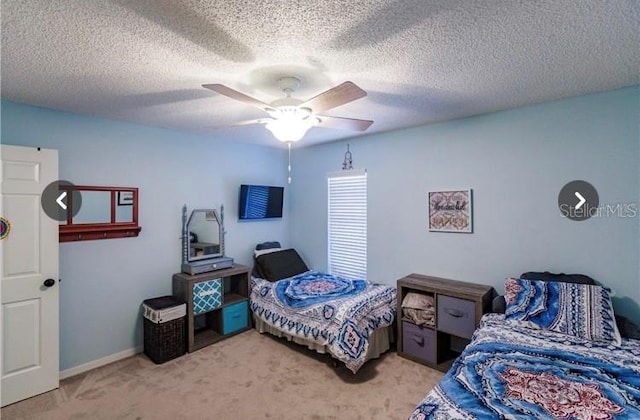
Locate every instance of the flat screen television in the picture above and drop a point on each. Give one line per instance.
(260, 202)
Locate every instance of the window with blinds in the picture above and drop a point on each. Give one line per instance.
(347, 223)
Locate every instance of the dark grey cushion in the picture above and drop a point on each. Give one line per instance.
(561, 277)
(257, 270)
(281, 264)
(499, 305)
(627, 328)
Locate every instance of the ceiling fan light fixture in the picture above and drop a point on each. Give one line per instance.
(291, 124)
(288, 130)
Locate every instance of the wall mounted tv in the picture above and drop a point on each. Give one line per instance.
(260, 202)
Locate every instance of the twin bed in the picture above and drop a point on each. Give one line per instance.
(556, 351)
(350, 319)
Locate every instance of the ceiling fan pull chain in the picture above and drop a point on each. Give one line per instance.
(289, 179)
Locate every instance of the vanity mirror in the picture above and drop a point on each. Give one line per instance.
(203, 241)
(105, 213)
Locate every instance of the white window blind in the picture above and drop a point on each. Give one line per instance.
(347, 220)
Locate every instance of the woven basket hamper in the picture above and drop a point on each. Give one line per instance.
(164, 328)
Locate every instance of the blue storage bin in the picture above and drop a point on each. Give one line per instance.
(207, 295)
(235, 317)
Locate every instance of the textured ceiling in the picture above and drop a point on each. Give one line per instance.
(420, 61)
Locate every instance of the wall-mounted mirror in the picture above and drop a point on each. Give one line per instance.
(104, 213)
(204, 235)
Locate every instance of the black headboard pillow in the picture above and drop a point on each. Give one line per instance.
(626, 327)
(280, 264)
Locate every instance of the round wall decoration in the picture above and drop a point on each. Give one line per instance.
(5, 228)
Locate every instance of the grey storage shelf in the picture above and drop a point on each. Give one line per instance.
(234, 288)
(458, 308)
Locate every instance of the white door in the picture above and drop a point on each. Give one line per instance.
(29, 315)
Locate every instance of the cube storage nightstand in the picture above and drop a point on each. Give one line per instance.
(217, 304)
(458, 309)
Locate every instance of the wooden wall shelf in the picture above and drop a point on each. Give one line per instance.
(97, 231)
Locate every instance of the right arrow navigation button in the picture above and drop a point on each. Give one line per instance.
(588, 200)
(581, 202)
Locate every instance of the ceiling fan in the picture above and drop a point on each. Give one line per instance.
(290, 118)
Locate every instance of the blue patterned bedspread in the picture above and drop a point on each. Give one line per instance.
(513, 372)
(329, 310)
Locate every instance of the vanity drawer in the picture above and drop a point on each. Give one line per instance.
(456, 316)
(207, 295)
(235, 317)
(419, 342)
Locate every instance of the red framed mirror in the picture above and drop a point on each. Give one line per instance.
(104, 213)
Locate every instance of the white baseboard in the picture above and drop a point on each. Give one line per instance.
(76, 370)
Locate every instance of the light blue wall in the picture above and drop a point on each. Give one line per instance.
(516, 162)
(104, 282)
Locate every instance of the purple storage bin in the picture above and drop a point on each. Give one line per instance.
(456, 316)
(419, 342)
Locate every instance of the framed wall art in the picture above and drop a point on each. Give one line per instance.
(451, 211)
(125, 198)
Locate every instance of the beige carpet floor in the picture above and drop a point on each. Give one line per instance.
(248, 376)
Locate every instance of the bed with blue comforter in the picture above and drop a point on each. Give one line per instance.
(513, 369)
(338, 313)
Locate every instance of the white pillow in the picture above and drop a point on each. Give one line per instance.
(259, 252)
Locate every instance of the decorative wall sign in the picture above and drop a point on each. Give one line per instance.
(5, 228)
(451, 211)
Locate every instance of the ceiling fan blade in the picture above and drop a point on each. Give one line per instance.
(334, 97)
(348, 123)
(249, 122)
(256, 121)
(238, 96)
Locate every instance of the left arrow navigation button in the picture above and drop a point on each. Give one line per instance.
(59, 200)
